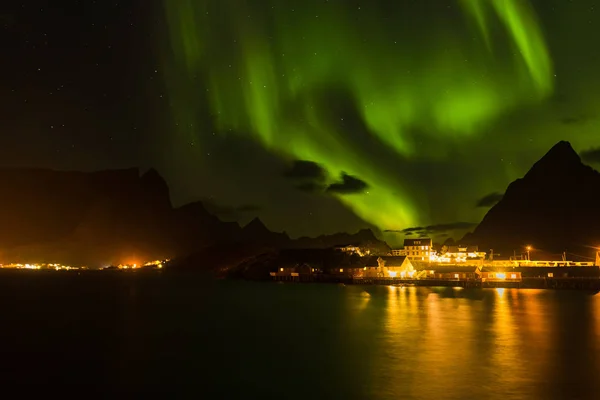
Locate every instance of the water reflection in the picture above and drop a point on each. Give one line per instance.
(498, 343)
(243, 340)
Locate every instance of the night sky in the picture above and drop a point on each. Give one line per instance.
(318, 116)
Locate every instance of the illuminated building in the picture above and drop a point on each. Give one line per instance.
(500, 275)
(452, 272)
(390, 266)
(349, 270)
(295, 270)
(353, 249)
(416, 249)
(372, 267)
(461, 254)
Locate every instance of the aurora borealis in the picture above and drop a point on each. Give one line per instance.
(275, 73)
(410, 112)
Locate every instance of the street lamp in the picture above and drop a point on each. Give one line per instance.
(528, 250)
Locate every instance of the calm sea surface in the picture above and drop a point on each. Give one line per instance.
(174, 336)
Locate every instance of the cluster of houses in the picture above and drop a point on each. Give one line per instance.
(418, 260)
(400, 267)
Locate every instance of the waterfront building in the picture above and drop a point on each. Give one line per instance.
(371, 269)
(396, 266)
(461, 254)
(300, 271)
(389, 266)
(420, 249)
(490, 274)
(552, 272)
(450, 272)
(355, 271)
(539, 263)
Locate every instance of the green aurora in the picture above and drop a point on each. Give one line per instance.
(285, 74)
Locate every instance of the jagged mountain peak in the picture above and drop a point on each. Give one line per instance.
(551, 207)
(562, 149)
(561, 160)
(256, 225)
(366, 234)
(152, 175)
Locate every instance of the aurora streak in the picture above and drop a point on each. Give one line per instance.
(278, 72)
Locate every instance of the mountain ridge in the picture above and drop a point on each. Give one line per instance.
(551, 208)
(113, 216)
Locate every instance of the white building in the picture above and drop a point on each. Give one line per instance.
(461, 254)
(416, 249)
(389, 267)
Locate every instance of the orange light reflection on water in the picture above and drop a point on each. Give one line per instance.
(453, 338)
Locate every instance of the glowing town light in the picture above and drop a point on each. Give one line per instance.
(392, 274)
(501, 275)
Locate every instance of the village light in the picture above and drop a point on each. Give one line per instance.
(501, 275)
(392, 274)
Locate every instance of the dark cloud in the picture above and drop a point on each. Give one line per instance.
(577, 119)
(489, 200)
(348, 185)
(438, 229)
(591, 155)
(302, 169)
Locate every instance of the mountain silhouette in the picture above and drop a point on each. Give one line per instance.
(364, 238)
(553, 208)
(121, 216)
(256, 232)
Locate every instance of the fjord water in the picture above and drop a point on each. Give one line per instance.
(154, 333)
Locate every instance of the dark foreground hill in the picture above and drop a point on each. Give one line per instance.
(119, 216)
(555, 207)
